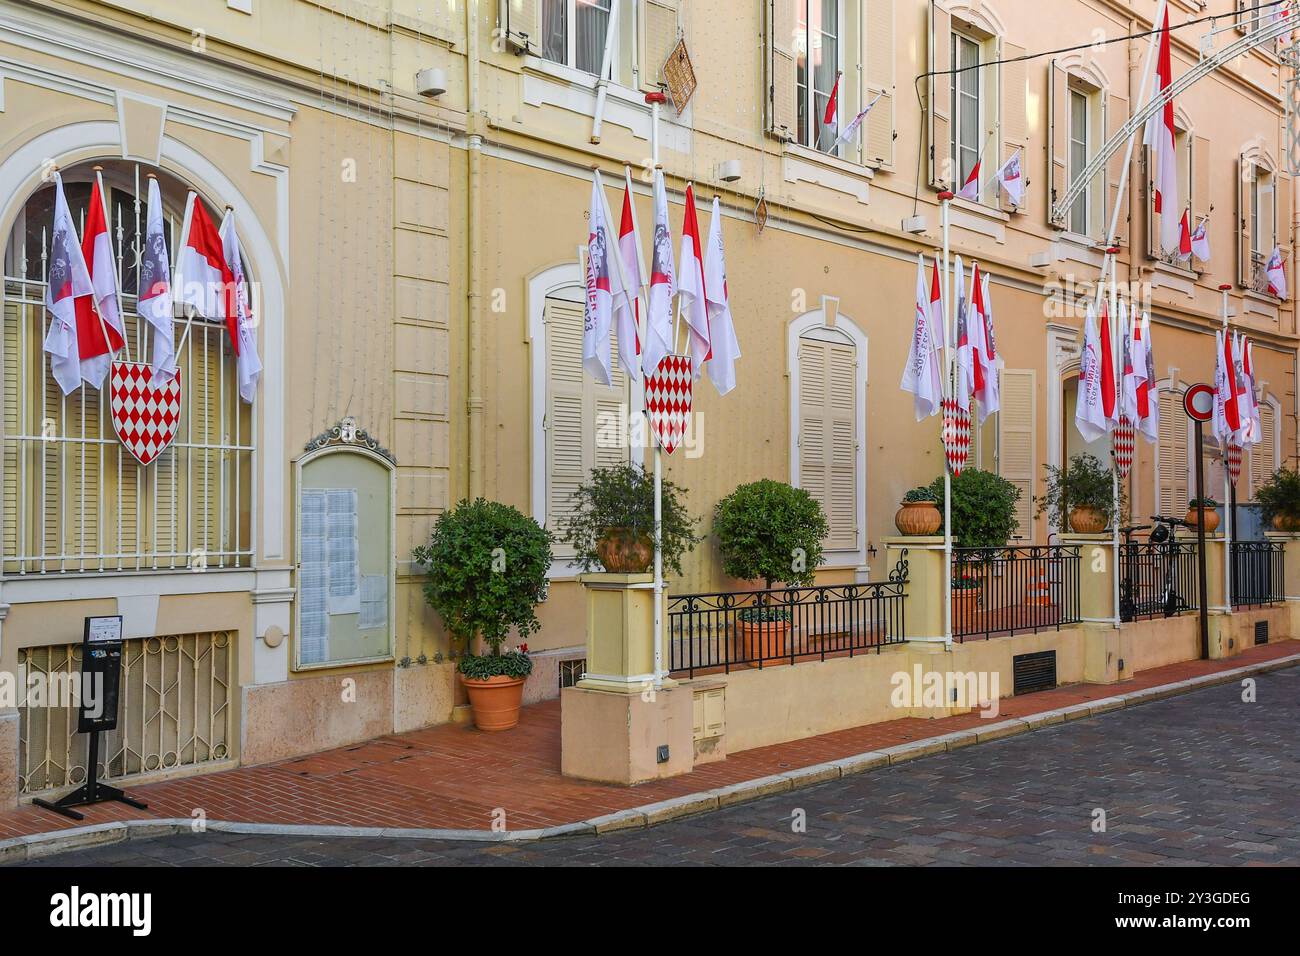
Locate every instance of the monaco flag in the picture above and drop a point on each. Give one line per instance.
(990, 395)
(1226, 421)
(1275, 272)
(1159, 136)
(970, 189)
(663, 284)
(1148, 404)
(1245, 393)
(1090, 415)
(100, 333)
(1135, 364)
(236, 303)
(1255, 432)
(832, 117)
(202, 276)
(1184, 238)
(68, 282)
(722, 367)
(629, 249)
(154, 304)
(921, 375)
(965, 382)
(692, 298)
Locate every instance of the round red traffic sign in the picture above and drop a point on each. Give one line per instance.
(1198, 402)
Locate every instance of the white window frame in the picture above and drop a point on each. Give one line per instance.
(1080, 98)
(957, 37)
(571, 39)
(812, 132)
(841, 329)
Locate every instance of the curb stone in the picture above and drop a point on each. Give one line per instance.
(40, 845)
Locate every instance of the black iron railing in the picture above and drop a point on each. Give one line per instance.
(1157, 580)
(1258, 573)
(1010, 590)
(728, 629)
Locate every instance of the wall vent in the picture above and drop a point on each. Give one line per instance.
(1033, 672)
(1261, 632)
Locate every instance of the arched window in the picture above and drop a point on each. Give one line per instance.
(74, 498)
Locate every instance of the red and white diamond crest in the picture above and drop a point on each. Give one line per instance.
(668, 399)
(144, 417)
(1234, 462)
(1124, 440)
(956, 435)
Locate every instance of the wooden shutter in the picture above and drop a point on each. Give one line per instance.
(779, 77)
(939, 97)
(10, 394)
(1058, 141)
(1014, 90)
(1242, 15)
(656, 31)
(1149, 201)
(1115, 113)
(519, 23)
(1171, 454)
(1201, 188)
(1016, 459)
(1245, 179)
(575, 407)
(878, 132)
(828, 448)
(1263, 457)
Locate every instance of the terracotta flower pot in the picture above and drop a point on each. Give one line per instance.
(1283, 522)
(1211, 519)
(965, 602)
(768, 641)
(1087, 520)
(918, 518)
(622, 552)
(495, 701)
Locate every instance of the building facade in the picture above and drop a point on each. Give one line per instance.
(414, 241)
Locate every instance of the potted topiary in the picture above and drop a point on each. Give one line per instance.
(612, 526)
(919, 514)
(966, 590)
(1211, 515)
(487, 565)
(983, 508)
(768, 531)
(1080, 497)
(1279, 500)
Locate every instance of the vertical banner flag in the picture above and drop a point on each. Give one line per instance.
(847, 134)
(1256, 429)
(243, 330)
(977, 334)
(1009, 177)
(67, 282)
(964, 383)
(202, 275)
(722, 331)
(990, 397)
(100, 333)
(154, 304)
(1148, 403)
(921, 375)
(1089, 414)
(629, 248)
(1159, 135)
(1275, 272)
(692, 299)
(830, 121)
(1184, 238)
(602, 283)
(1226, 422)
(663, 283)
(1108, 396)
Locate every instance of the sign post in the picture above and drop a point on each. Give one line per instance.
(101, 669)
(1198, 402)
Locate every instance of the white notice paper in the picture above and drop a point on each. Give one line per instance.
(313, 578)
(342, 547)
(374, 602)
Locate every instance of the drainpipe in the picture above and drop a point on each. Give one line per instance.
(473, 227)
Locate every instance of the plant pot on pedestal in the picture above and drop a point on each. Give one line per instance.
(1087, 520)
(623, 551)
(918, 518)
(1211, 519)
(1287, 523)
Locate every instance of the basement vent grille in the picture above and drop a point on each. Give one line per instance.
(1261, 632)
(1033, 672)
(571, 671)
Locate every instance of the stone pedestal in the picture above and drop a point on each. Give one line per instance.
(1098, 566)
(924, 615)
(616, 725)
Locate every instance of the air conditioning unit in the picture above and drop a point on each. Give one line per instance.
(431, 82)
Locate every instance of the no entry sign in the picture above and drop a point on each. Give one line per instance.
(1198, 402)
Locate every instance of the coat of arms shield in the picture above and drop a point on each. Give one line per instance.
(145, 416)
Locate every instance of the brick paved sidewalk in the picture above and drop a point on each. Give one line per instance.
(455, 777)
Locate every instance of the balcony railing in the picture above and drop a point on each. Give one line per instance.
(710, 633)
(1013, 590)
(1157, 580)
(1258, 573)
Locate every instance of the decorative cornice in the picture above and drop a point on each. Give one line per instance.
(346, 434)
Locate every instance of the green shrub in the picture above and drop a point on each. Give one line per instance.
(624, 497)
(1280, 495)
(1084, 483)
(487, 565)
(922, 493)
(983, 508)
(1210, 504)
(769, 531)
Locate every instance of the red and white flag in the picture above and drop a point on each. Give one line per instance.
(831, 120)
(692, 299)
(1148, 391)
(722, 330)
(1184, 238)
(1226, 421)
(1275, 272)
(1245, 393)
(986, 353)
(965, 379)
(663, 283)
(1010, 178)
(100, 333)
(970, 189)
(629, 248)
(849, 131)
(921, 375)
(605, 293)
(1201, 240)
(1109, 383)
(154, 303)
(1135, 364)
(1255, 431)
(68, 282)
(1160, 137)
(244, 338)
(202, 276)
(1091, 414)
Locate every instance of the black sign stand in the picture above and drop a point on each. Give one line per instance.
(1202, 579)
(101, 656)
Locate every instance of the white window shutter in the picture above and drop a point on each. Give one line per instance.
(1016, 459)
(1263, 457)
(1245, 180)
(828, 449)
(657, 32)
(939, 97)
(1058, 141)
(1200, 176)
(1172, 461)
(779, 75)
(878, 127)
(1115, 111)
(1014, 91)
(519, 23)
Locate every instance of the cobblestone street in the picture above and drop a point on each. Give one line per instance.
(1204, 778)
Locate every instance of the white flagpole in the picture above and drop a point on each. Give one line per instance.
(655, 100)
(945, 202)
(1116, 365)
(1227, 480)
